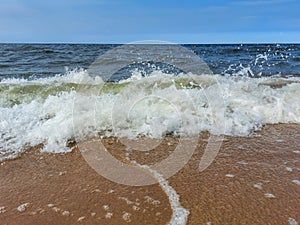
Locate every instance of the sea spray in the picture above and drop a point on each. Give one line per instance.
(41, 110)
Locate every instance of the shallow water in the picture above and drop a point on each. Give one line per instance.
(251, 181)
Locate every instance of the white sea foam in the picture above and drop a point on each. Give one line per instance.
(126, 216)
(180, 214)
(258, 186)
(269, 195)
(157, 104)
(66, 213)
(296, 182)
(22, 208)
(230, 175)
(108, 215)
(76, 76)
(2, 209)
(292, 221)
(81, 218)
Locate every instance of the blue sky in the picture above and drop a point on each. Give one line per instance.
(122, 21)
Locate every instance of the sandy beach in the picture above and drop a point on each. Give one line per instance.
(253, 180)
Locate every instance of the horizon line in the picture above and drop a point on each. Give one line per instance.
(124, 43)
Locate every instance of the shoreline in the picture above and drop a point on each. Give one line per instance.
(253, 180)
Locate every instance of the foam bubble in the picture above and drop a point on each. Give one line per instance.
(2, 209)
(230, 175)
(81, 218)
(296, 182)
(126, 216)
(258, 186)
(270, 195)
(22, 208)
(66, 213)
(292, 221)
(108, 215)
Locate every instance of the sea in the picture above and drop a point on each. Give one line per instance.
(55, 94)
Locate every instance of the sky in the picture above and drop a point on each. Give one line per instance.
(123, 21)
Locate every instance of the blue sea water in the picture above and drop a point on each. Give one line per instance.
(49, 95)
(42, 60)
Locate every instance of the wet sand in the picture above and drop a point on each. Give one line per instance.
(253, 180)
